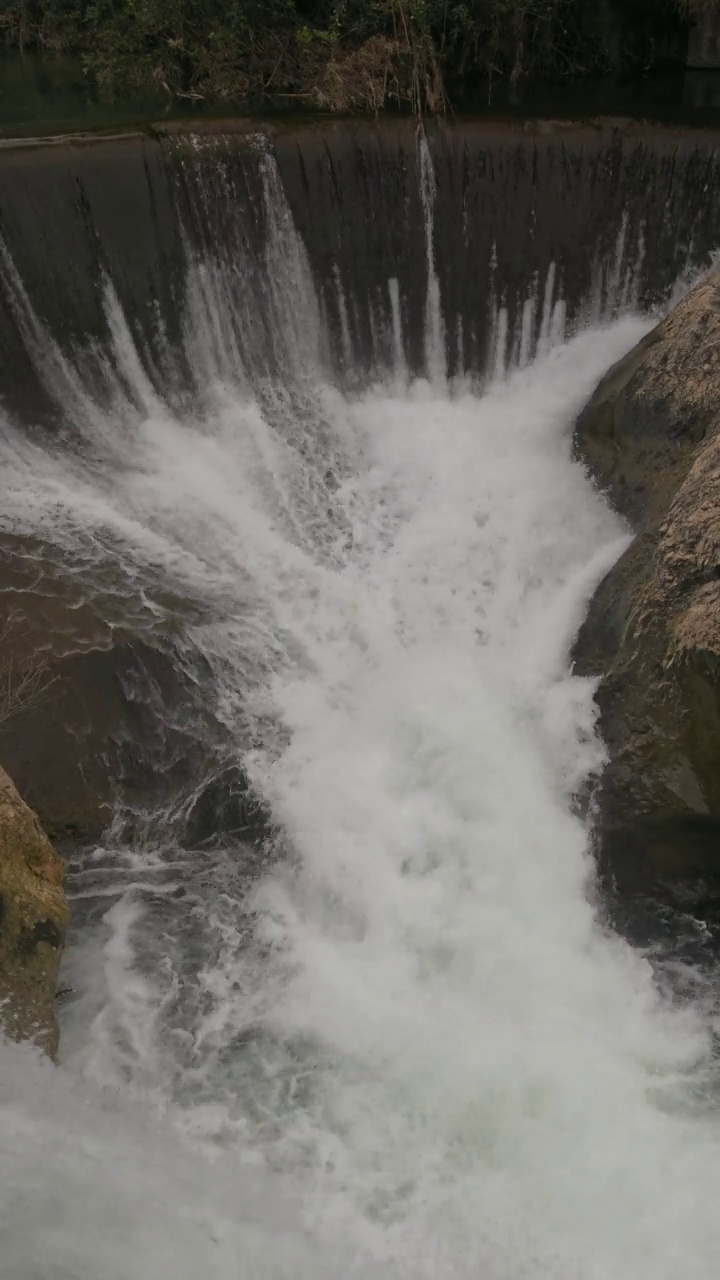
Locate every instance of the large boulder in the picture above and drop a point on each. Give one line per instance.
(33, 916)
(650, 437)
(123, 719)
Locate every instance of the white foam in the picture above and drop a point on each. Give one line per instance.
(493, 1057)
(464, 1076)
(408, 1050)
(92, 1186)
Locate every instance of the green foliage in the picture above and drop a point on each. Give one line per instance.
(54, 25)
(339, 54)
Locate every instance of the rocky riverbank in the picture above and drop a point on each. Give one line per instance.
(650, 437)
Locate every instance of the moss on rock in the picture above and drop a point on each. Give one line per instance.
(650, 437)
(33, 916)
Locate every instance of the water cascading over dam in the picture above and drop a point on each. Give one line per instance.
(285, 437)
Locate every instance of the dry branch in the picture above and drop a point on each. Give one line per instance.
(25, 679)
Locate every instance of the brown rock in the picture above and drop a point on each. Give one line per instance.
(650, 436)
(33, 916)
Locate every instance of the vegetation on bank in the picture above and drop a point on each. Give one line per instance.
(345, 54)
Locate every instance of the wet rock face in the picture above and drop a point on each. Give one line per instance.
(650, 437)
(704, 45)
(639, 433)
(33, 916)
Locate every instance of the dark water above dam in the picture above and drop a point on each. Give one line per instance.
(288, 493)
(53, 93)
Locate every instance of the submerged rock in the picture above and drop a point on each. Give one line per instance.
(33, 915)
(650, 437)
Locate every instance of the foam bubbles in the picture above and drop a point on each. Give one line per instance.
(394, 1041)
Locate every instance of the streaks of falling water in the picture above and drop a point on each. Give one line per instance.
(435, 360)
(397, 1044)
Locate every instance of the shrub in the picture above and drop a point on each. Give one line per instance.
(336, 54)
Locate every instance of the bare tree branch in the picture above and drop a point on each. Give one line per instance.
(25, 679)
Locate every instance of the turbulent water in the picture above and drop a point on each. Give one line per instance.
(382, 1033)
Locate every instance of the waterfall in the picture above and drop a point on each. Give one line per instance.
(339, 1002)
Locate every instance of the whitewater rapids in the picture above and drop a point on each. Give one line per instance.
(407, 1048)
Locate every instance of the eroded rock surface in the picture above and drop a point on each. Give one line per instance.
(650, 436)
(33, 916)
